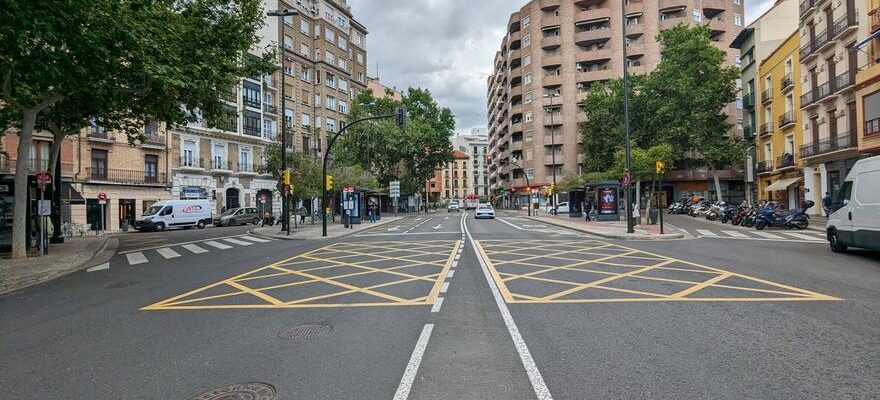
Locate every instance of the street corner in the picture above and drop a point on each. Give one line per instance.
(346, 274)
(592, 271)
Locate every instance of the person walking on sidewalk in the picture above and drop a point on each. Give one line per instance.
(303, 213)
(826, 204)
(372, 214)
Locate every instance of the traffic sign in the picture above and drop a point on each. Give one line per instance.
(44, 207)
(394, 189)
(348, 189)
(627, 179)
(44, 177)
(102, 196)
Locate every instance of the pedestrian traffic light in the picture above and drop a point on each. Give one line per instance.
(661, 167)
(285, 177)
(329, 182)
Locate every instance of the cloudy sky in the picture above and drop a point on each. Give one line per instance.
(446, 46)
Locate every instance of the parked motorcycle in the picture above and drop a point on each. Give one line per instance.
(771, 217)
(741, 213)
(715, 210)
(729, 211)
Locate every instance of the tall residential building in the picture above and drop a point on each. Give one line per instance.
(779, 131)
(553, 52)
(868, 84)
(324, 66)
(477, 146)
(828, 33)
(760, 38)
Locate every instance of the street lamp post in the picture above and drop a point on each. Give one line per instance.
(628, 188)
(400, 116)
(528, 184)
(551, 96)
(285, 199)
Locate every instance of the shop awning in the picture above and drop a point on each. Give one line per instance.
(68, 193)
(782, 184)
(867, 40)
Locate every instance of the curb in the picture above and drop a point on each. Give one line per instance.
(352, 232)
(667, 236)
(104, 253)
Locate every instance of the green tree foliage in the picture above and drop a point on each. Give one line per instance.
(123, 61)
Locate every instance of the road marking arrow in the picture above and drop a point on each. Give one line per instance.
(393, 229)
(438, 227)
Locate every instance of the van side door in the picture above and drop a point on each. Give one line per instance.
(865, 209)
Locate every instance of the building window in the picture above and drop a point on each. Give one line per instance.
(343, 107)
(343, 85)
(698, 15)
(305, 26)
(737, 20)
(342, 43)
(527, 98)
(219, 156)
(269, 129)
(306, 120)
(330, 36)
(737, 2)
(330, 58)
(330, 81)
(99, 164)
(304, 49)
(189, 151)
(331, 124)
(244, 161)
(288, 42)
(527, 41)
(251, 94)
(360, 58)
(251, 123)
(527, 21)
(527, 79)
(527, 60)
(330, 102)
(528, 116)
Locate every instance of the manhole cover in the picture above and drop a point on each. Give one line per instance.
(120, 285)
(305, 331)
(239, 391)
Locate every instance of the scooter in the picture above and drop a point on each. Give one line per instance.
(741, 213)
(769, 217)
(715, 210)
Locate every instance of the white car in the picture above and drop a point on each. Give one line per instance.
(452, 206)
(561, 208)
(484, 211)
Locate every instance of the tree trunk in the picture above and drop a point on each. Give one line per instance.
(22, 167)
(717, 184)
(54, 167)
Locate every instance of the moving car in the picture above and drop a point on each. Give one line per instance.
(561, 208)
(175, 214)
(238, 216)
(484, 211)
(856, 219)
(453, 206)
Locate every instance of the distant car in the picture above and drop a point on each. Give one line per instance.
(484, 211)
(453, 206)
(238, 216)
(561, 208)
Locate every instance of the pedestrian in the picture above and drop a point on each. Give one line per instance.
(372, 214)
(826, 203)
(302, 214)
(636, 215)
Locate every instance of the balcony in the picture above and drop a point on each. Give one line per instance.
(811, 97)
(191, 163)
(593, 56)
(786, 83)
(126, 177)
(844, 24)
(748, 130)
(785, 161)
(551, 80)
(551, 59)
(514, 55)
(515, 37)
(249, 102)
(765, 129)
(550, 42)
(549, 5)
(592, 36)
(787, 119)
(154, 141)
(248, 169)
(221, 166)
(875, 19)
(805, 7)
(767, 95)
(516, 126)
(101, 135)
(595, 75)
(592, 15)
(749, 100)
(550, 21)
(269, 108)
(552, 121)
(764, 167)
(843, 81)
(820, 41)
(842, 141)
(550, 159)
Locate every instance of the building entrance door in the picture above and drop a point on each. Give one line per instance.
(127, 213)
(232, 199)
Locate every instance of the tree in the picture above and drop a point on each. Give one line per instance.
(121, 61)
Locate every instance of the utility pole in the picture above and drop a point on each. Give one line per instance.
(628, 188)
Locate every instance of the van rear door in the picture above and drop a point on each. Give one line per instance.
(866, 207)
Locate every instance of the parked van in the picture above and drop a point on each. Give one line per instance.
(175, 214)
(856, 219)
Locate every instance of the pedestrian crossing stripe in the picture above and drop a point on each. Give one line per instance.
(735, 234)
(592, 271)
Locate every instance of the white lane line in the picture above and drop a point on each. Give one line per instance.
(408, 234)
(437, 305)
(167, 253)
(238, 242)
(454, 264)
(218, 245)
(443, 288)
(803, 237)
(102, 267)
(409, 375)
(735, 234)
(254, 239)
(450, 273)
(418, 225)
(525, 356)
(194, 249)
(706, 232)
(136, 258)
(457, 257)
(508, 223)
(767, 235)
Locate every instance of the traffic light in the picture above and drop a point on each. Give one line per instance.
(552, 188)
(661, 167)
(329, 182)
(285, 177)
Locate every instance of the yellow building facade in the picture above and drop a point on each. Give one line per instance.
(868, 88)
(456, 181)
(779, 134)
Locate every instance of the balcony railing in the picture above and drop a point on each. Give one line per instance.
(805, 6)
(767, 95)
(843, 23)
(748, 130)
(101, 134)
(840, 142)
(749, 100)
(843, 81)
(764, 166)
(221, 165)
(126, 176)
(154, 140)
(784, 161)
(252, 130)
(786, 82)
(872, 127)
(269, 108)
(191, 162)
(766, 128)
(787, 119)
(816, 94)
(250, 102)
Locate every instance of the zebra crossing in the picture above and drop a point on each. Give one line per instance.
(797, 236)
(186, 249)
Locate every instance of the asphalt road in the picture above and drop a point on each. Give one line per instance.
(424, 309)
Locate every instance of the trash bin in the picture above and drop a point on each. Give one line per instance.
(653, 215)
(124, 225)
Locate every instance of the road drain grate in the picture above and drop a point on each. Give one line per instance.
(307, 331)
(239, 391)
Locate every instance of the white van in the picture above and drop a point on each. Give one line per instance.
(856, 219)
(175, 214)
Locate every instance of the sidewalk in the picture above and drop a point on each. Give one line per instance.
(313, 232)
(611, 230)
(74, 254)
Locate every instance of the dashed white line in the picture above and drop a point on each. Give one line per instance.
(454, 264)
(735, 234)
(238, 242)
(167, 253)
(218, 245)
(444, 288)
(437, 304)
(194, 249)
(450, 273)
(409, 375)
(136, 258)
(102, 267)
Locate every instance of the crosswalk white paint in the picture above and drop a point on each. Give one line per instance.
(802, 236)
(218, 245)
(238, 242)
(194, 249)
(167, 253)
(768, 235)
(255, 239)
(706, 232)
(735, 234)
(136, 258)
